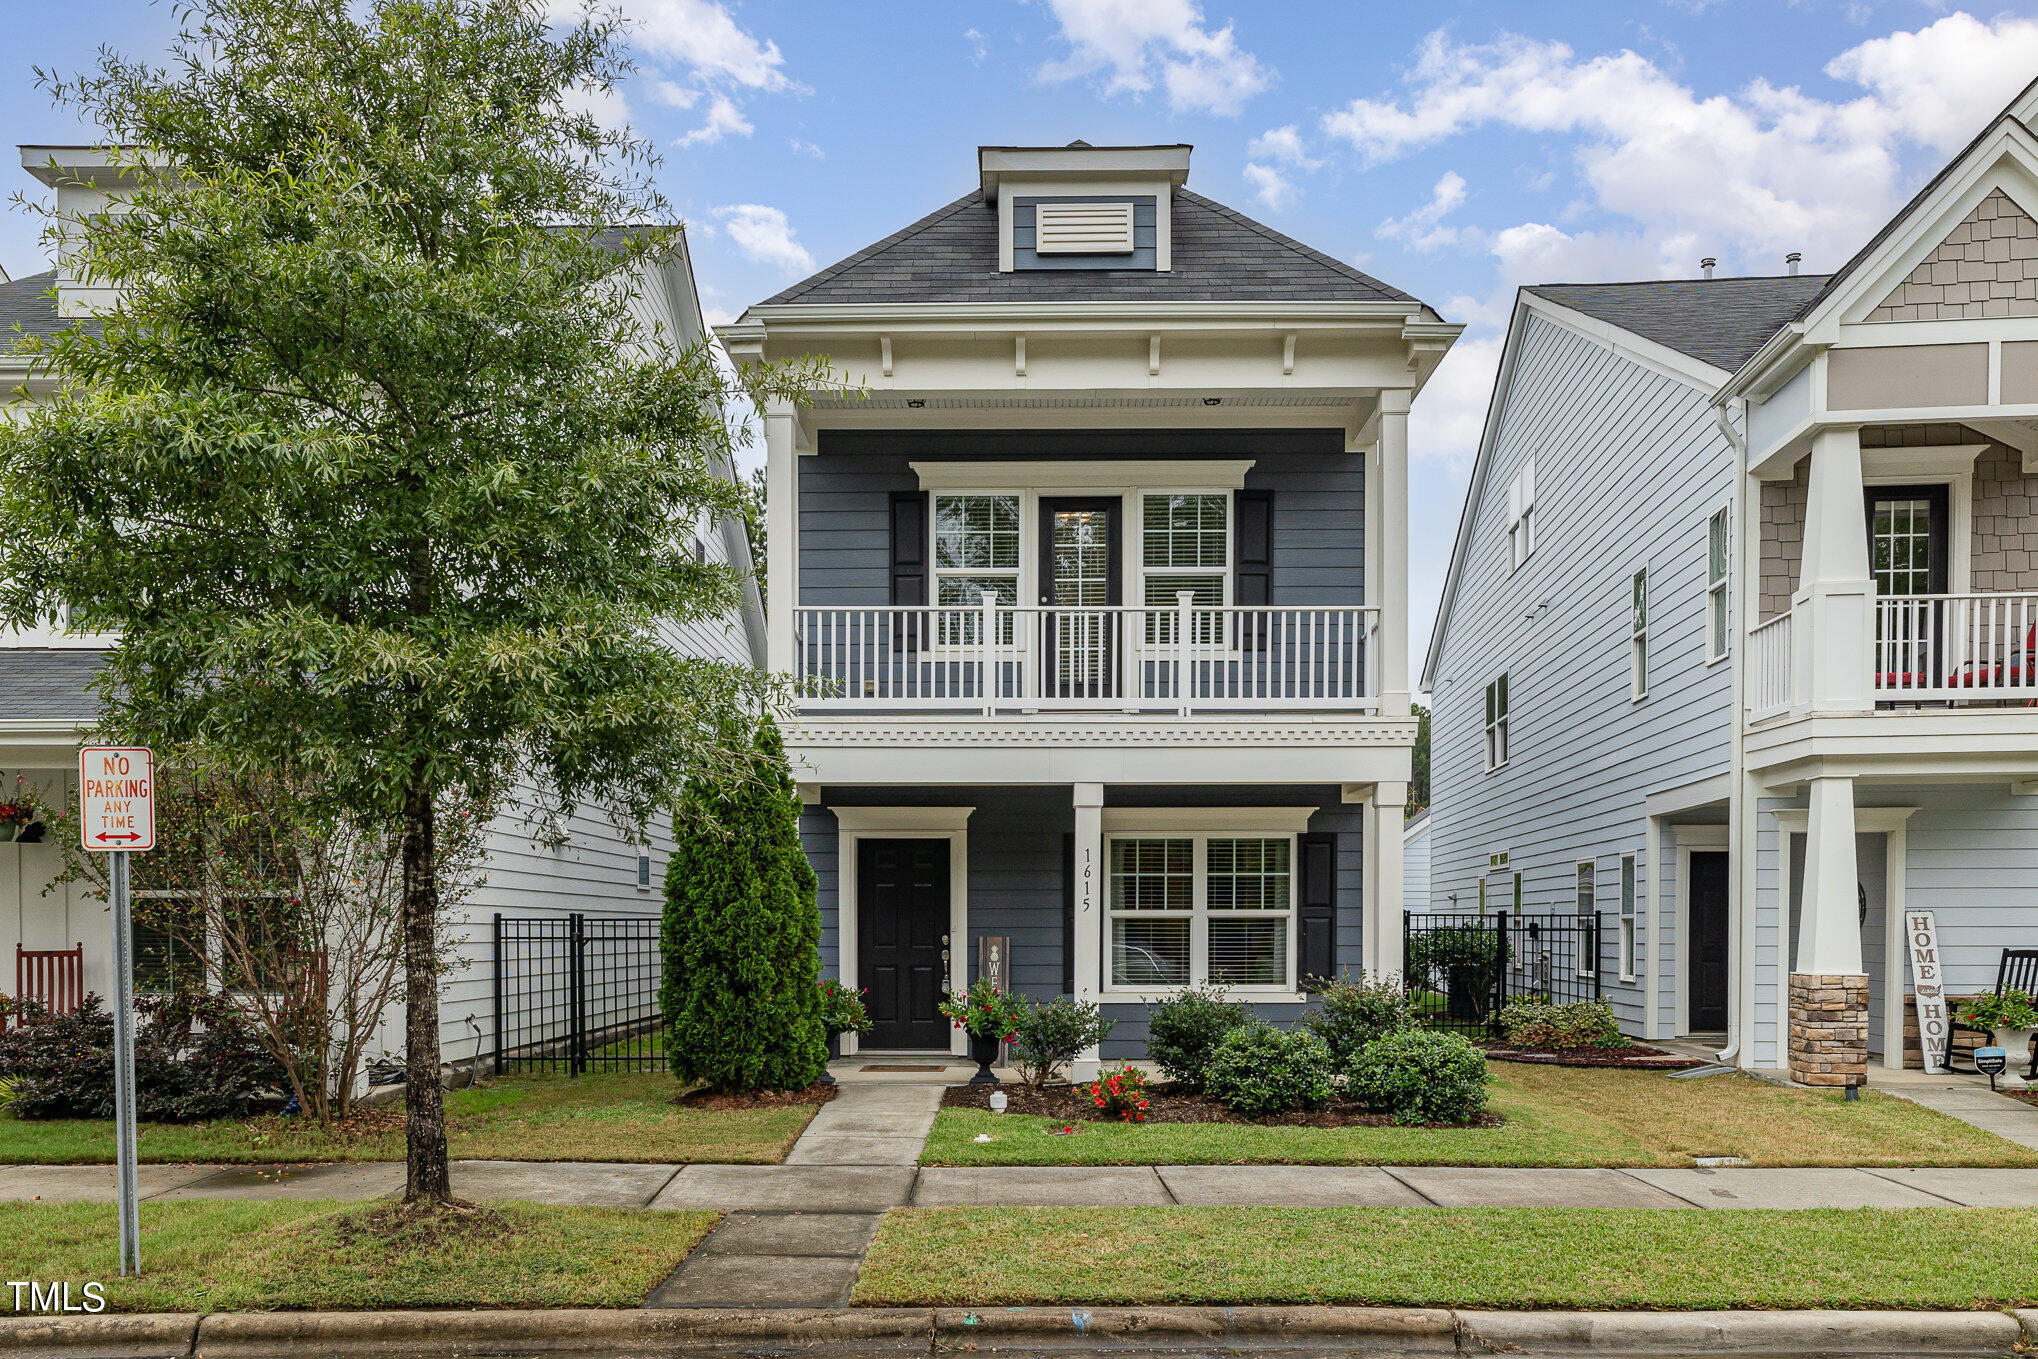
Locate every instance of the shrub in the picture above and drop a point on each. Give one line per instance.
(1421, 1076)
(742, 934)
(1460, 961)
(195, 1058)
(1353, 1014)
(983, 1011)
(1121, 1094)
(1258, 1070)
(1183, 1029)
(1054, 1033)
(1579, 1024)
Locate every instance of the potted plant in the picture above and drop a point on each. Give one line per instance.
(2011, 1017)
(842, 1011)
(989, 1017)
(15, 815)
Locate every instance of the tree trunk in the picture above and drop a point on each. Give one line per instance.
(426, 1178)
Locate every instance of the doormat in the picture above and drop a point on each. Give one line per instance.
(900, 1066)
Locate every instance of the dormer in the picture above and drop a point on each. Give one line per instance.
(1083, 207)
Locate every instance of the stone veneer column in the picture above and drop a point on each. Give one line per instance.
(1829, 1028)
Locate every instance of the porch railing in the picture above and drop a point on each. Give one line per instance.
(1769, 667)
(995, 657)
(1950, 647)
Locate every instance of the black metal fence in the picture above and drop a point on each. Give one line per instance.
(577, 993)
(1462, 967)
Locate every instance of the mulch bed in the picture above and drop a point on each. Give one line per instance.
(817, 1093)
(1168, 1103)
(1635, 1055)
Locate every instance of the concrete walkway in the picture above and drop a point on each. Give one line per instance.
(1966, 1098)
(796, 1237)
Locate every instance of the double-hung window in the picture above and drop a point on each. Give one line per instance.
(1716, 586)
(1185, 546)
(1588, 919)
(1496, 723)
(1628, 970)
(976, 551)
(1202, 909)
(1638, 636)
(1521, 515)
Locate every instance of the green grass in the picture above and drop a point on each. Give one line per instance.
(311, 1255)
(516, 1118)
(1556, 1116)
(1953, 1258)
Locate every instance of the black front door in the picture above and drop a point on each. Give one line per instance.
(1079, 572)
(1907, 540)
(1706, 955)
(902, 940)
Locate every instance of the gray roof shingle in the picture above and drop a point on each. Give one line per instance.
(1720, 321)
(27, 308)
(48, 683)
(1219, 255)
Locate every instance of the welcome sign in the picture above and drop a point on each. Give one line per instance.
(1928, 984)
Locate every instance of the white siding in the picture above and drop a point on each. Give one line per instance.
(1629, 467)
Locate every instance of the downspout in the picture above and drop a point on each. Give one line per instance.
(1741, 863)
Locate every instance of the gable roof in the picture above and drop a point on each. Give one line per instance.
(1720, 321)
(1219, 255)
(48, 683)
(27, 308)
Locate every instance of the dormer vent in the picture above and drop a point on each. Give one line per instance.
(1083, 228)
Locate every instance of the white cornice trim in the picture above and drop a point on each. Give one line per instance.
(1273, 820)
(902, 818)
(1224, 474)
(1937, 459)
(863, 315)
(1868, 820)
(1634, 348)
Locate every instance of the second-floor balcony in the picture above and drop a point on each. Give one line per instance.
(994, 658)
(1967, 651)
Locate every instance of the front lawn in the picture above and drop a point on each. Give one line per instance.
(516, 1118)
(241, 1256)
(1556, 1116)
(1954, 1258)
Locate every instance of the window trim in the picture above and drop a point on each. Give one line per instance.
(1199, 913)
(935, 571)
(1136, 547)
(1638, 635)
(1627, 940)
(1716, 594)
(1497, 727)
(1585, 902)
(1521, 515)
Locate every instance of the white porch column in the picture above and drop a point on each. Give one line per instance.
(1384, 849)
(1828, 989)
(1392, 597)
(781, 520)
(1835, 597)
(1089, 914)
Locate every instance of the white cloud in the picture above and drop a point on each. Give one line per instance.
(1750, 174)
(764, 236)
(979, 46)
(1271, 186)
(696, 49)
(1135, 44)
(1445, 422)
(607, 107)
(1423, 229)
(1283, 144)
(805, 148)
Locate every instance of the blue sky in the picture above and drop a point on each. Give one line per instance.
(1454, 150)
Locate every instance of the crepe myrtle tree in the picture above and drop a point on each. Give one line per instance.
(372, 468)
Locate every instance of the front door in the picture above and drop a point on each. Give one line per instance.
(902, 940)
(1706, 957)
(1080, 586)
(1907, 552)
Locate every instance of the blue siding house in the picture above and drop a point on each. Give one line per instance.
(1088, 567)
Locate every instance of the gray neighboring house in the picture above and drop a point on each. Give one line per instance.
(46, 705)
(1094, 585)
(1415, 864)
(1738, 643)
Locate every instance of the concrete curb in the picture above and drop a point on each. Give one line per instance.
(1797, 1333)
(267, 1335)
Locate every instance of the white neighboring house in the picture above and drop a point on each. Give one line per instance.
(1415, 864)
(45, 704)
(1740, 634)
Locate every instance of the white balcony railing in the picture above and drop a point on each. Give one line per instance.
(1953, 647)
(999, 658)
(1769, 667)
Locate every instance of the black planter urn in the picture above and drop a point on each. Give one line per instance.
(983, 1050)
(834, 1051)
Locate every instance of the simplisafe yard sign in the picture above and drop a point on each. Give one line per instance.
(117, 817)
(117, 798)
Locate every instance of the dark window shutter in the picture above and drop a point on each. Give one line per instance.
(1316, 943)
(909, 564)
(1068, 914)
(1252, 558)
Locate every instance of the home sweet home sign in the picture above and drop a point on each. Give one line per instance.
(1928, 984)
